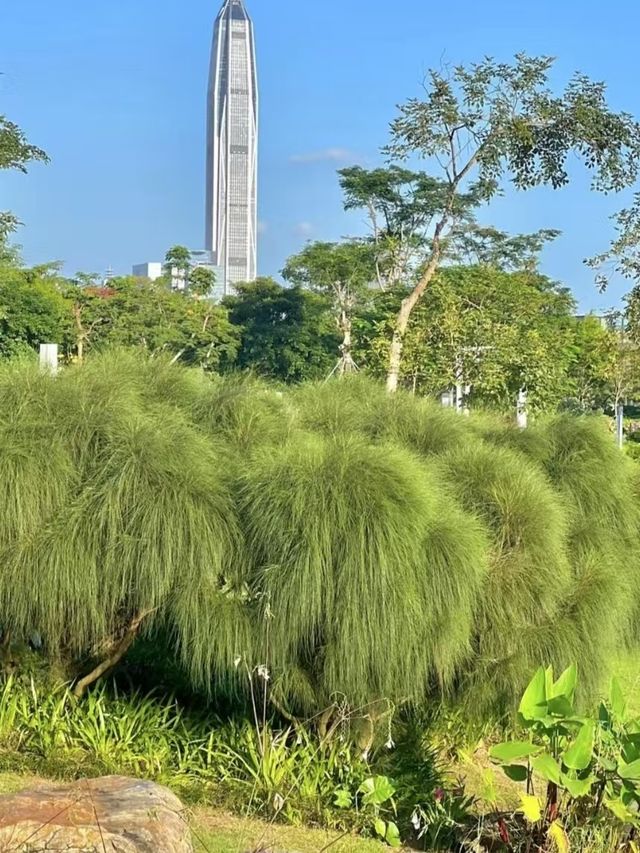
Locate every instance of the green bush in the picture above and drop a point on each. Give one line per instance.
(360, 551)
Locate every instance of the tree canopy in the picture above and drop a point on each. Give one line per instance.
(286, 333)
(16, 152)
(484, 127)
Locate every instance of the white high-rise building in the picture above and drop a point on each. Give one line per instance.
(232, 148)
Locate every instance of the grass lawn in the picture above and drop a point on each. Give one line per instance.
(218, 832)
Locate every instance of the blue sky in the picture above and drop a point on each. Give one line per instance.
(115, 92)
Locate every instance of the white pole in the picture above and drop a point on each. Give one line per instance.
(465, 408)
(49, 358)
(459, 398)
(620, 425)
(522, 416)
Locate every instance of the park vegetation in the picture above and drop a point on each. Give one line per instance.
(246, 551)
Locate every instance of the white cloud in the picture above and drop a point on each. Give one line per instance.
(326, 155)
(303, 229)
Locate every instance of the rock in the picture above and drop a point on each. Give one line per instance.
(108, 814)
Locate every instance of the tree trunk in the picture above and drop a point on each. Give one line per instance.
(407, 306)
(118, 651)
(347, 364)
(77, 313)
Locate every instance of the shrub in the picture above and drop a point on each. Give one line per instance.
(360, 551)
(365, 556)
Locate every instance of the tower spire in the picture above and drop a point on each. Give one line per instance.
(232, 142)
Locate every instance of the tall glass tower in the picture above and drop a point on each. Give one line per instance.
(232, 148)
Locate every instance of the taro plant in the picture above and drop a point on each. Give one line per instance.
(374, 800)
(588, 766)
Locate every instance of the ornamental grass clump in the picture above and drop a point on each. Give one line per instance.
(334, 545)
(363, 557)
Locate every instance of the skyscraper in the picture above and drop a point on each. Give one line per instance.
(232, 148)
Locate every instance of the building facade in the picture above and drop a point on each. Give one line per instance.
(232, 148)
(151, 270)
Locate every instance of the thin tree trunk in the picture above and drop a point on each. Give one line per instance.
(408, 304)
(406, 308)
(347, 364)
(77, 314)
(118, 651)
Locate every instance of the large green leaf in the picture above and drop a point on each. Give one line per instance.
(513, 751)
(392, 835)
(548, 681)
(376, 790)
(560, 706)
(617, 700)
(566, 684)
(533, 705)
(618, 808)
(578, 756)
(343, 798)
(576, 787)
(547, 767)
(516, 772)
(629, 771)
(603, 714)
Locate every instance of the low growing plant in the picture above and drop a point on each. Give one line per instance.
(251, 767)
(579, 770)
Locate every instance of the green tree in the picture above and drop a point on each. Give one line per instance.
(341, 272)
(488, 246)
(496, 331)
(400, 205)
(201, 281)
(177, 264)
(286, 333)
(136, 313)
(595, 351)
(15, 153)
(33, 310)
(492, 123)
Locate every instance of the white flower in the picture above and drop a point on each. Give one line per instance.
(263, 672)
(415, 820)
(390, 744)
(237, 661)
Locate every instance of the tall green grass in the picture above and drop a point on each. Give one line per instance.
(343, 546)
(277, 773)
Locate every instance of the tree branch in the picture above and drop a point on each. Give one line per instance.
(118, 651)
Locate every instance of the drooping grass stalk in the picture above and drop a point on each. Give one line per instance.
(396, 551)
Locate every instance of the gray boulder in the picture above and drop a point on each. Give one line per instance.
(108, 814)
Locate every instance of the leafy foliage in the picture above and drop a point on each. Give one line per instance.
(33, 309)
(490, 124)
(16, 152)
(286, 333)
(133, 312)
(278, 773)
(591, 766)
(496, 331)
